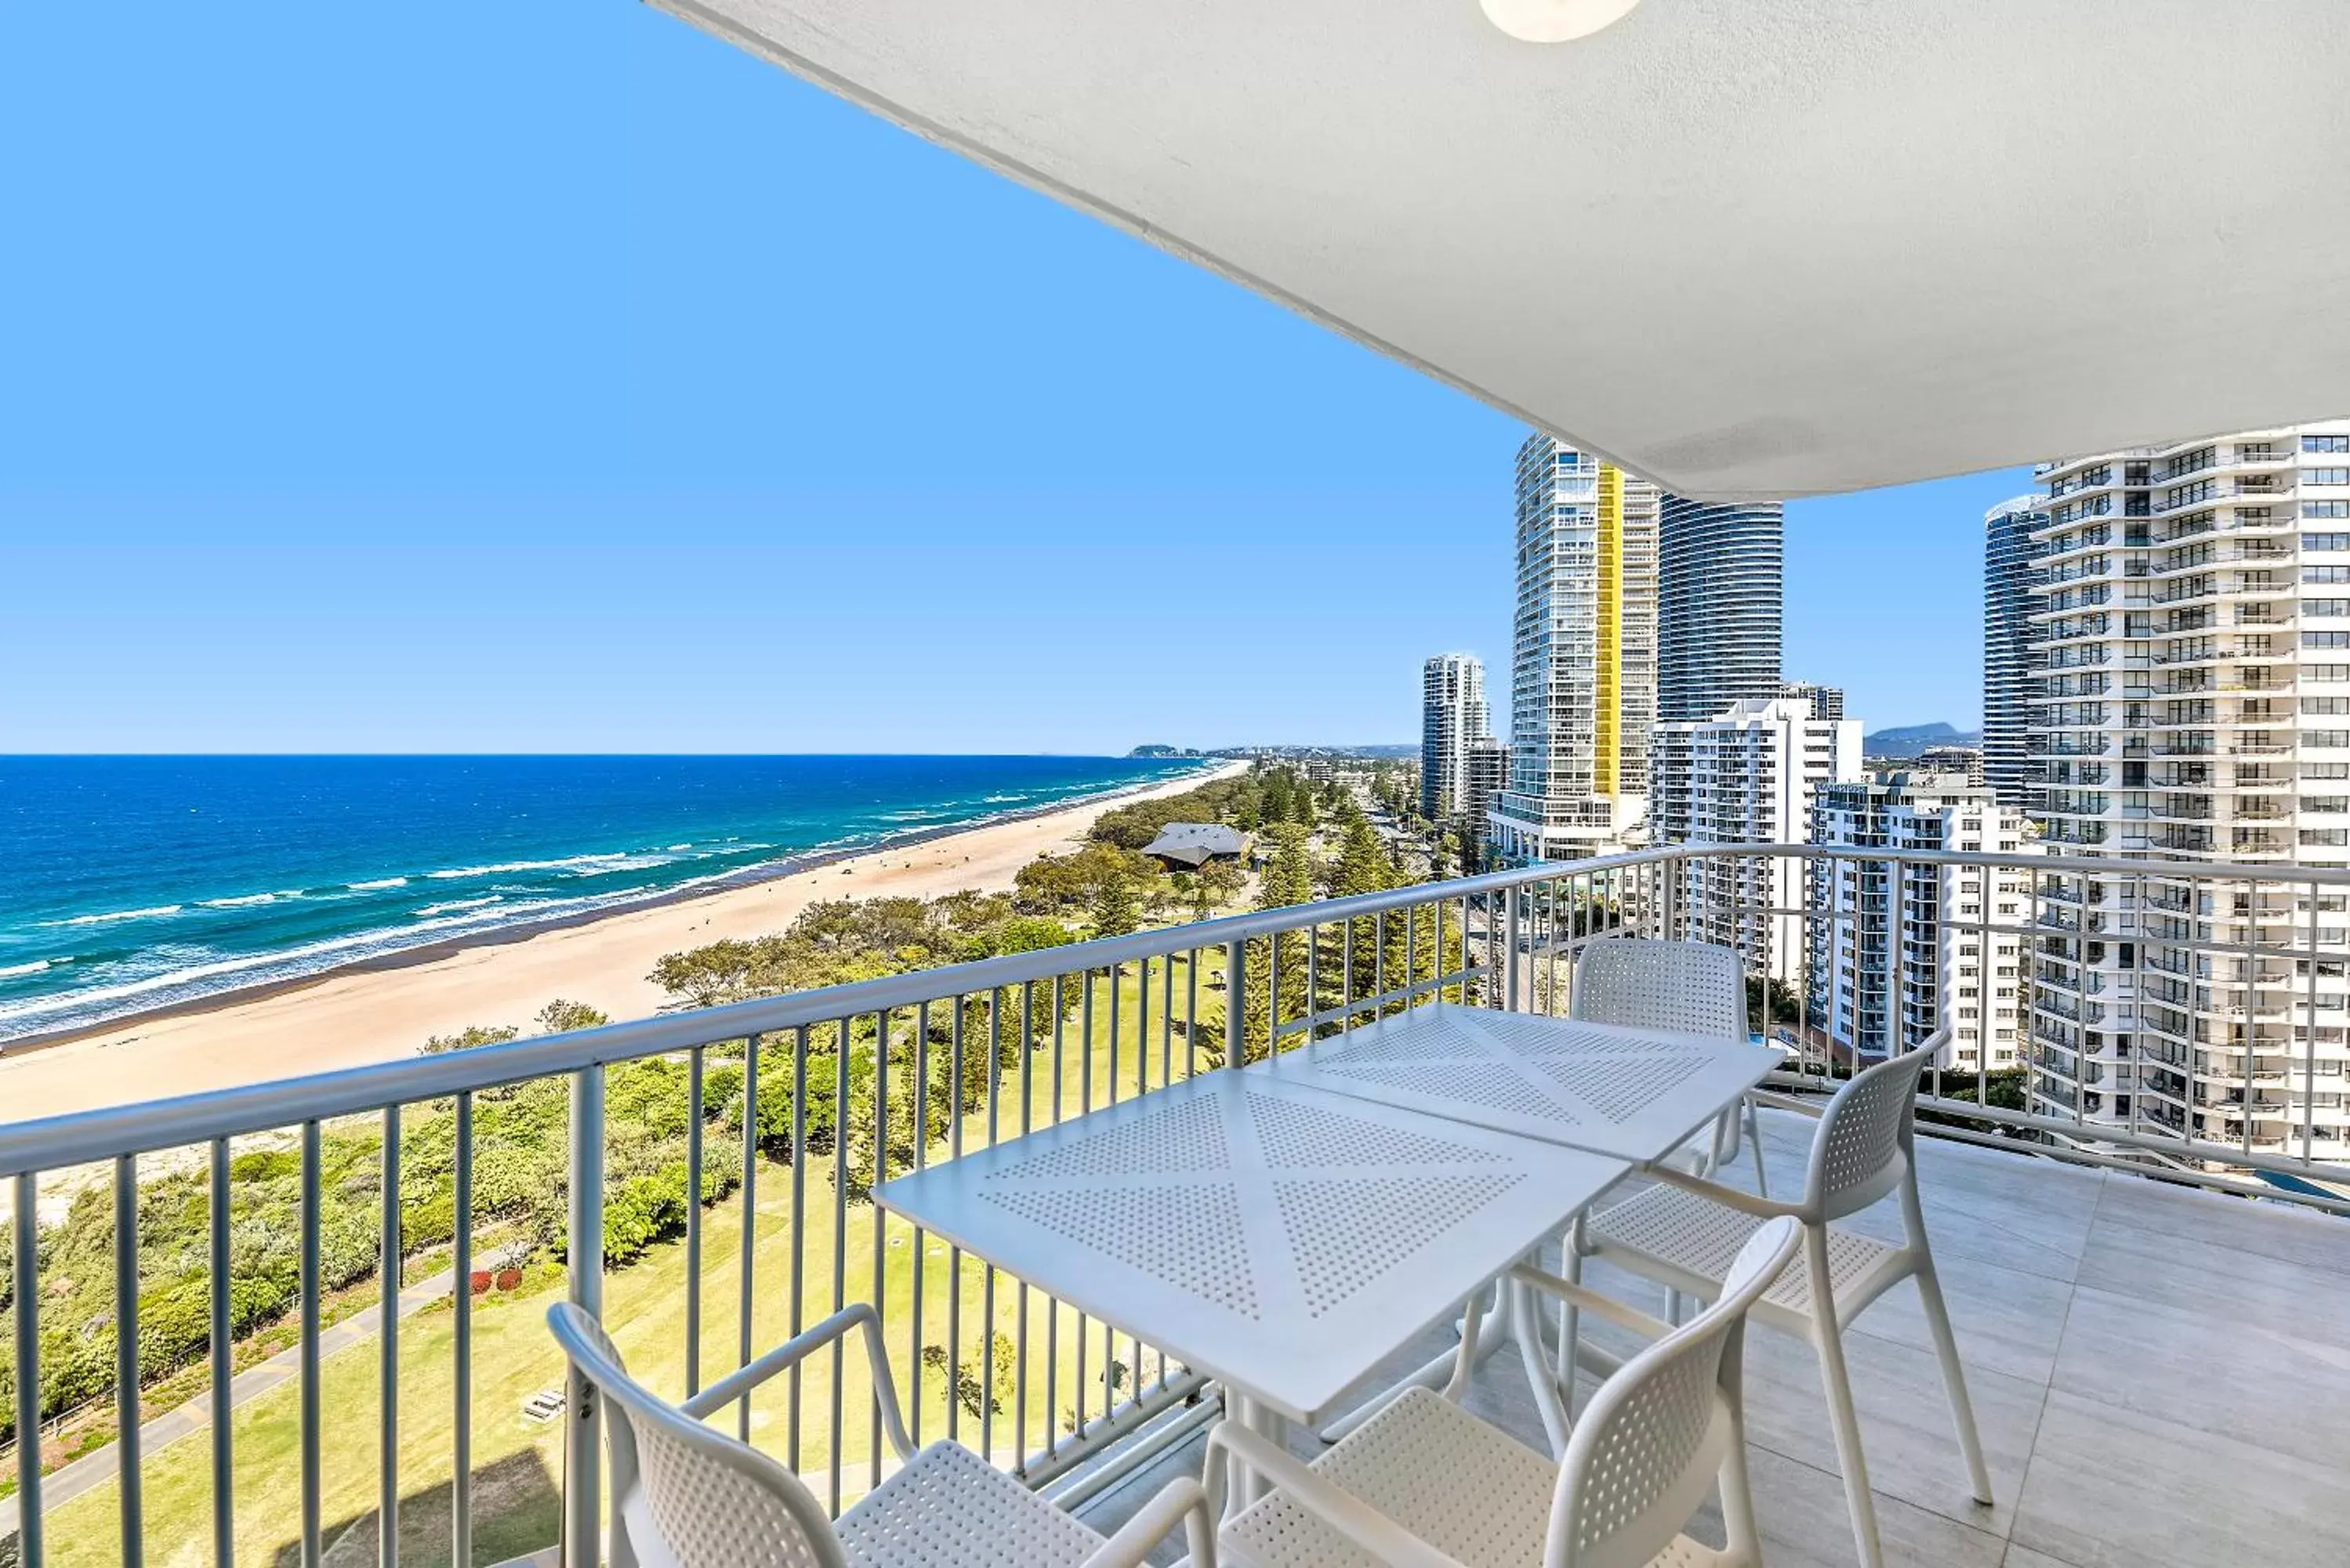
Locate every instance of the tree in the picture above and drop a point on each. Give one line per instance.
(561, 1017)
(1364, 866)
(467, 1038)
(1113, 908)
(1222, 881)
(1786, 1007)
(1288, 881)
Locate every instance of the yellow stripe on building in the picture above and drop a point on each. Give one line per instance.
(1608, 690)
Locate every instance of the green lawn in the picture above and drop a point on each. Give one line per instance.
(517, 1464)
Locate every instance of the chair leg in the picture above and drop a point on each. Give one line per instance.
(1754, 1142)
(1954, 1379)
(1741, 1538)
(1570, 1317)
(1827, 1338)
(1557, 1425)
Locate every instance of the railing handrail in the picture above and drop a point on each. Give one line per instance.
(80, 1138)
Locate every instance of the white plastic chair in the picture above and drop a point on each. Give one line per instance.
(1684, 1232)
(688, 1497)
(1691, 988)
(1424, 1484)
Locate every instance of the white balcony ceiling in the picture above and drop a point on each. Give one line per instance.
(1749, 248)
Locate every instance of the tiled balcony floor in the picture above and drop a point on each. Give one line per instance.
(2162, 1377)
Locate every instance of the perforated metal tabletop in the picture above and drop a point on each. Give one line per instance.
(1634, 1094)
(1277, 1237)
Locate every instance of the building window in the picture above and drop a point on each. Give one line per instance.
(2326, 476)
(2326, 443)
(2325, 509)
(2326, 705)
(2325, 639)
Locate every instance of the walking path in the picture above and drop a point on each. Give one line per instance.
(69, 1482)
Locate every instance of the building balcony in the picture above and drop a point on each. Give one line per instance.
(2055, 1245)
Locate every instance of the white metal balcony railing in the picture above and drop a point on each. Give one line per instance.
(1010, 1044)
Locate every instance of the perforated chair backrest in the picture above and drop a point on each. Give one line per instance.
(1691, 988)
(1862, 1150)
(686, 1496)
(1647, 1453)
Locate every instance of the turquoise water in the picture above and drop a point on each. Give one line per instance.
(128, 883)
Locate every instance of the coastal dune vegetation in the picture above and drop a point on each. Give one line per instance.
(998, 1062)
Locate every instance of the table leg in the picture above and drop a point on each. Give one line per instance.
(1244, 1487)
(1436, 1374)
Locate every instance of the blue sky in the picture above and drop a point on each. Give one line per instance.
(552, 377)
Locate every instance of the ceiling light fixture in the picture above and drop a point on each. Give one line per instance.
(1554, 21)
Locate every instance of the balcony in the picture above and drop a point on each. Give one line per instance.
(2056, 1249)
(2094, 1460)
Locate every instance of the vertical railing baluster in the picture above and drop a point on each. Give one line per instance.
(313, 1525)
(2309, 1042)
(2252, 1002)
(460, 1424)
(1312, 978)
(920, 1242)
(128, 1489)
(26, 1306)
(1142, 1026)
(1273, 997)
(693, 1155)
(1511, 1001)
(954, 1253)
(224, 1365)
(749, 1262)
(1020, 1337)
(583, 1428)
(1191, 1024)
(1117, 973)
(987, 1269)
(1411, 961)
(880, 1221)
(1346, 976)
(1167, 1019)
(839, 1241)
(387, 1514)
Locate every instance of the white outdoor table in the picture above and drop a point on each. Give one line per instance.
(1634, 1094)
(1278, 1238)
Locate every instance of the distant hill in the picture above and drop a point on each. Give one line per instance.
(1913, 739)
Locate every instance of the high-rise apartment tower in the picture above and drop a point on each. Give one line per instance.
(1720, 577)
(1747, 776)
(2192, 616)
(1452, 720)
(1583, 667)
(1900, 950)
(2008, 667)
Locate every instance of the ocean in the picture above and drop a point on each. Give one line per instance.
(130, 883)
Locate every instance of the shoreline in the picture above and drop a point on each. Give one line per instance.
(199, 1033)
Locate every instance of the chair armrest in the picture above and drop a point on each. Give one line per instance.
(1592, 1302)
(738, 1384)
(1184, 1502)
(1369, 1530)
(1728, 1196)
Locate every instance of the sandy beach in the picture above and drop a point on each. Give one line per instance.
(345, 1019)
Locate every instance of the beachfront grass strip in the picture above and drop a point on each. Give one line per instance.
(516, 1500)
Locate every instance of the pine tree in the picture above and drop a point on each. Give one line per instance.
(1288, 881)
(1114, 908)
